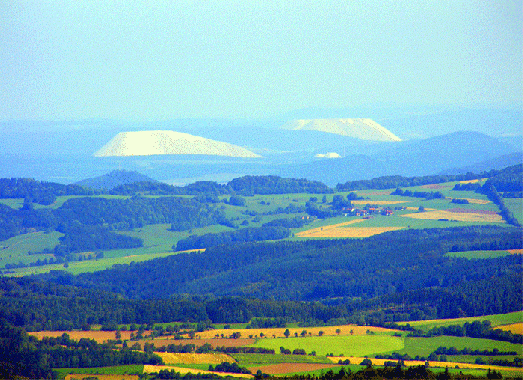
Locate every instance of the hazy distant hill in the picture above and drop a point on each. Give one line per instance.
(494, 163)
(409, 158)
(113, 179)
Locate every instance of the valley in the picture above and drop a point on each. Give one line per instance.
(266, 276)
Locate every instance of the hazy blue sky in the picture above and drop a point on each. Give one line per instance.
(148, 60)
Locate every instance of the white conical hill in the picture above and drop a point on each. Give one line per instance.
(148, 143)
(364, 129)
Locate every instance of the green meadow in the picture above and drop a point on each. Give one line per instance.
(495, 319)
(350, 345)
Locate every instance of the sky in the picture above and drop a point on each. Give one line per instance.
(159, 60)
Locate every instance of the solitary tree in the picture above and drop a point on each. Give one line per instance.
(287, 333)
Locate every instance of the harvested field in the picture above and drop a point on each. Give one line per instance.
(472, 181)
(182, 358)
(465, 211)
(467, 216)
(514, 328)
(409, 363)
(377, 202)
(515, 251)
(278, 332)
(337, 230)
(478, 201)
(183, 371)
(98, 336)
(283, 368)
(214, 342)
(80, 376)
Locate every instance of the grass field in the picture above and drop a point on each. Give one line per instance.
(363, 345)
(158, 242)
(245, 360)
(495, 319)
(15, 250)
(424, 346)
(115, 370)
(515, 205)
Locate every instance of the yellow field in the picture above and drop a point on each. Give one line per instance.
(98, 336)
(183, 371)
(336, 230)
(278, 332)
(80, 376)
(515, 251)
(477, 201)
(514, 328)
(170, 358)
(472, 181)
(459, 216)
(358, 360)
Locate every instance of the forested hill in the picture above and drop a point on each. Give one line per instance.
(395, 262)
(37, 191)
(512, 174)
(113, 179)
(246, 185)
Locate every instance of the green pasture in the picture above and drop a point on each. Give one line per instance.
(515, 205)
(132, 369)
(15, 203)
(64, 198)
(158, 238)
(245, 360)
(350, 345)
(425, 346)
(15, 250)
(88, 266)
(473, 255)
(495, 319)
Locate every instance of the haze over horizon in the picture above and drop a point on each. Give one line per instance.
(164, 60)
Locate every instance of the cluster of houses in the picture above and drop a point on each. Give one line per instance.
(369, 210)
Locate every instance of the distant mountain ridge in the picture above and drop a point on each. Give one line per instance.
(408, 158)
(114, 179)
